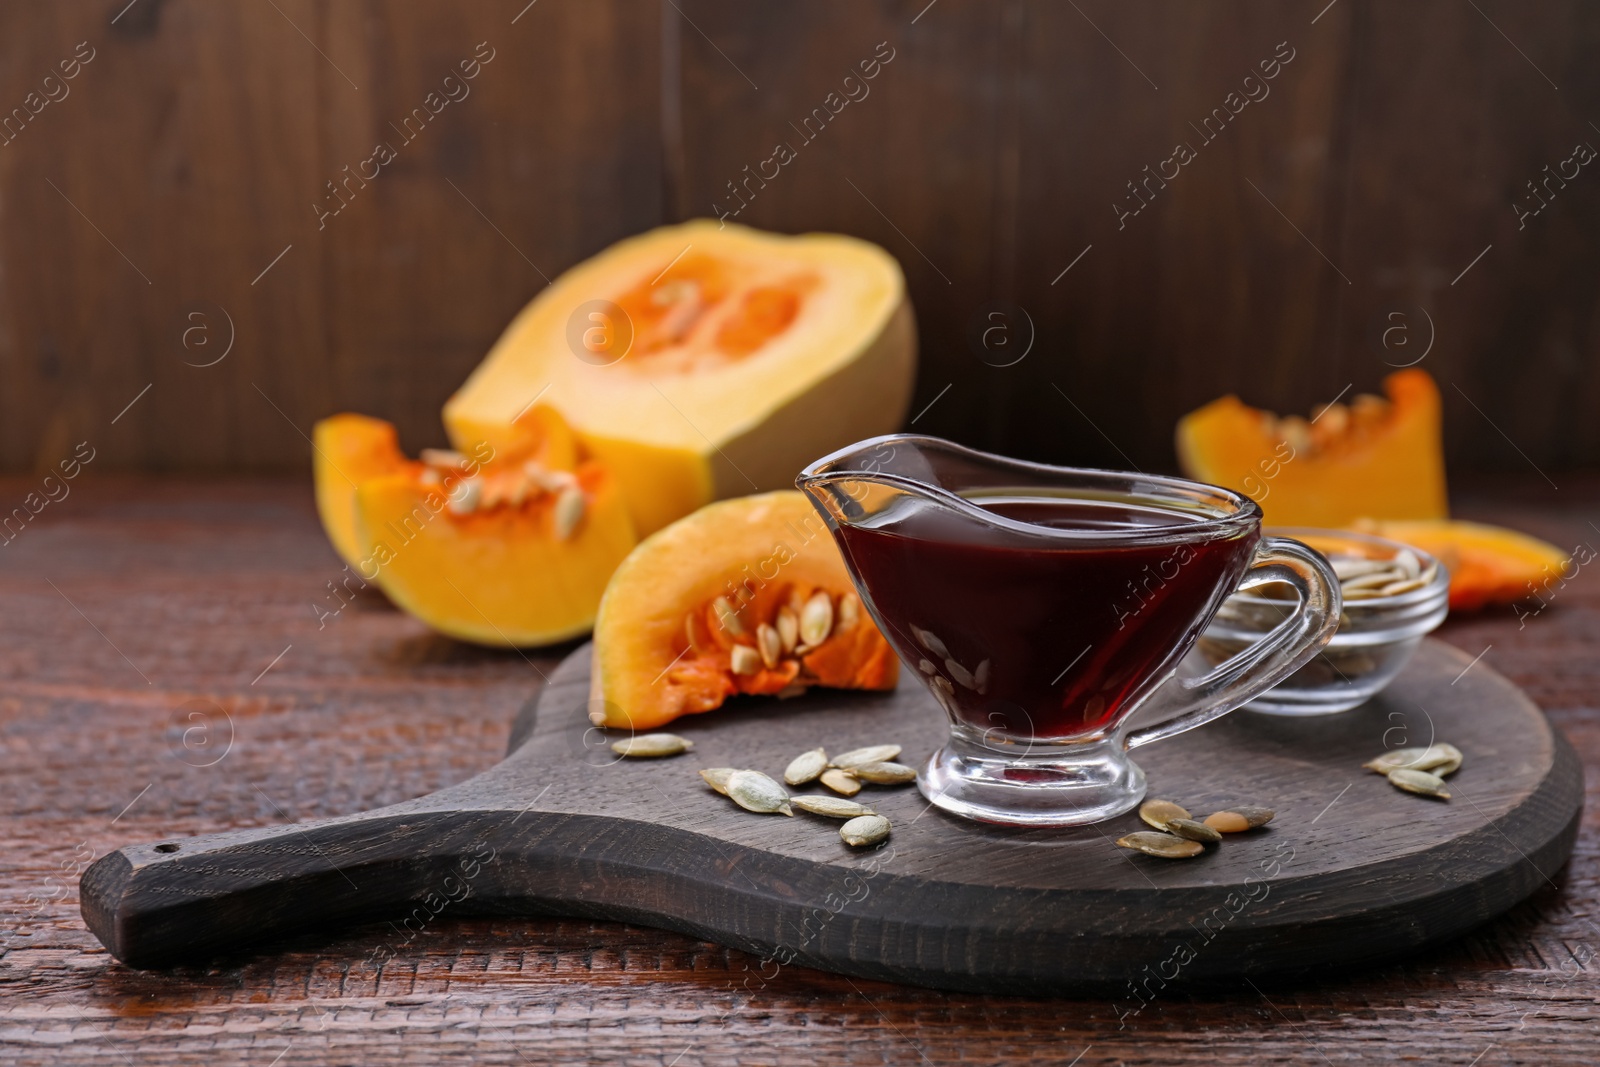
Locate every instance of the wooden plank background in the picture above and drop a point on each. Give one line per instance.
(175, 177)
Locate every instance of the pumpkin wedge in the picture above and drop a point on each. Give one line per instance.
(744, 596)
(347, 450)
(1374, 458)
(508, 547)
(705, 360)
(1487, 564)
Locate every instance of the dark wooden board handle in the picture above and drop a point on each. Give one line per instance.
(179, 901)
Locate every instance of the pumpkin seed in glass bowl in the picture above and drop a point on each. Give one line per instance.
(1393, 596)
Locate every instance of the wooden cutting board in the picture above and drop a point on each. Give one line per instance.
(1350, 871)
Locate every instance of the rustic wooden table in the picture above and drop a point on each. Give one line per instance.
(175, 662)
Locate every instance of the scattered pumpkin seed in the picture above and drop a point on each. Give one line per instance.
(717, 778)
(980, 677)
(1434, 758)
(569, 510)
(816, 619)
(754, 791)
(1239, 819)
(1419, 782)
(1158, 813)
(832, 807)
(806, 767)
(839, 781)
(1193, 831)
(927, 667)
(651, 746)
(870, 754)
(864, 830)
(744, 659)
(1167, 846)
(884, 773)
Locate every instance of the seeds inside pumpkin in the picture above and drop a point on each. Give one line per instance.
(816, 619)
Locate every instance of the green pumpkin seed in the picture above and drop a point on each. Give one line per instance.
(1167, 846)
(1433, 758)
(1193, 831)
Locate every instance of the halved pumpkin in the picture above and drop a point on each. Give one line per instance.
(1375, 458)
(744, 596)
(705, 360)
(1487, 564)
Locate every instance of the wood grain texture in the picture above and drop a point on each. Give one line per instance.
(1349, 872)
(987, 157)
(202, 584)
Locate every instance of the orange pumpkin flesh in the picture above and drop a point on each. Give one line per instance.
(1487, 564)
(480, 547)
(1373, 458)
(346, 451)
(688, 607)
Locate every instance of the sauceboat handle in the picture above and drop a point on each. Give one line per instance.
(1281, 652)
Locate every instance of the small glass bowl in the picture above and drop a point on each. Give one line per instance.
(1376, 636)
